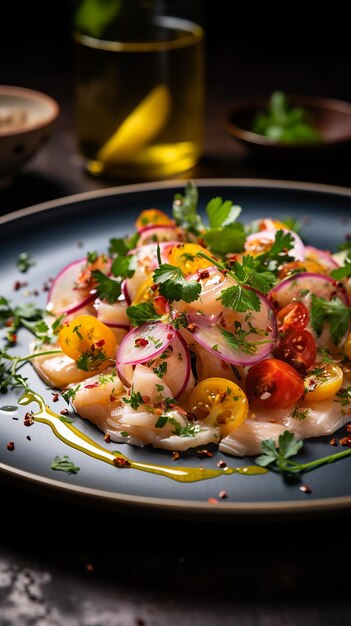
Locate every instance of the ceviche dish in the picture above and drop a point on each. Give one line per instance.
(197, 330)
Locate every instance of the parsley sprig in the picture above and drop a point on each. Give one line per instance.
(334, 313)
(279, 459)
(172, 283)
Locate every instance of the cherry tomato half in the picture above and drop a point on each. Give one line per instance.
(184, 256)
(323, 382)
(88, 341)
(152, 217)
(293, 316)
(219, 402)
(296, 267)
(297, 348)
(273, 384)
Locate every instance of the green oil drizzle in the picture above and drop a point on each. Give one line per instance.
(73, 437)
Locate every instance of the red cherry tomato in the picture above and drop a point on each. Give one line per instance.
(293, 316)
(297, 348)
(273, 384)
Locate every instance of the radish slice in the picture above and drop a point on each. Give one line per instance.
(260, 335)
(266, 237)
(151, 234)
(301, 286)
(323, 257)
(174, 367)
(63, 296)
(145, 343)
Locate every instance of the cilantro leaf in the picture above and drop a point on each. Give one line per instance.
(222, 213)
(240, 299)
(335, 313)
(107, 288)
(173, 285)
(185, 210)
(224, 240)
(64, 464)
(238, 341)
(342, 272)
(140, 313)
(123, 266)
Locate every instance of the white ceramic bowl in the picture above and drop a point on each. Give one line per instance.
(27, 118)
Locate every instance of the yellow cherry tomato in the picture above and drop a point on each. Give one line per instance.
(322, 382)
(152, 217)
(219, 402)
(184, 256)
(87, 341)
(347, 346)
(296, 267)
(144, 292)
(270, 224)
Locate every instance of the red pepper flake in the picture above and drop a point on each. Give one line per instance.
(91, 385)
(107, 438)
(11, 445)
(221, 464)
(212, 500)
(141, 342)
(345, 441)
(203, 274)
(28, 419)
(223, 494)
(305, 489)
(64, 412)
(175, 456)
(120, 461)
(204, 453)
(18, 284)
(170, 336)
(55, 397)
(333, 442)
(154, 287)
(100, 343)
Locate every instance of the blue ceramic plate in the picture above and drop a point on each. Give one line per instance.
(58, 232)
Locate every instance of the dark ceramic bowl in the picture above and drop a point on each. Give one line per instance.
(332, 118)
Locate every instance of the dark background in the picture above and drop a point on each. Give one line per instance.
(251, 51)
(58, 558)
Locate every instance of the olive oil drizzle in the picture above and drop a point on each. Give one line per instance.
(73, 437)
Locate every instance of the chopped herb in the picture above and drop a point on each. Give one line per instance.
(70, 393)
(123, 266)
(342, 272)
(344, 396)
(159, 387)
(189, 430)
(92, 257)
(124, 433)
(299, 414)
(24, 262)
(64, 464)
(224, 240)
(238, 341)
(222, 213)
(161, 370)
(91, 360)
(135, 399)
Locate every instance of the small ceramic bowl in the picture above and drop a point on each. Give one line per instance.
(332, 118)
(27, 118)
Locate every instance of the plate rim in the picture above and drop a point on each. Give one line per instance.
(167, 184)
(153, 504)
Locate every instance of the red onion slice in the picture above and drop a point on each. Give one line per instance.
(63, 297)
(145, 343)
(261, 335)
(268, 236)
(323, 257)
(301, 286)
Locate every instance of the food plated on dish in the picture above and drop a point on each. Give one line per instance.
(192, 332)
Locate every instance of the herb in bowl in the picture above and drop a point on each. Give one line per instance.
(285, 123)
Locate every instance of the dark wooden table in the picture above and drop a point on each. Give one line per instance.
(68, 564)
